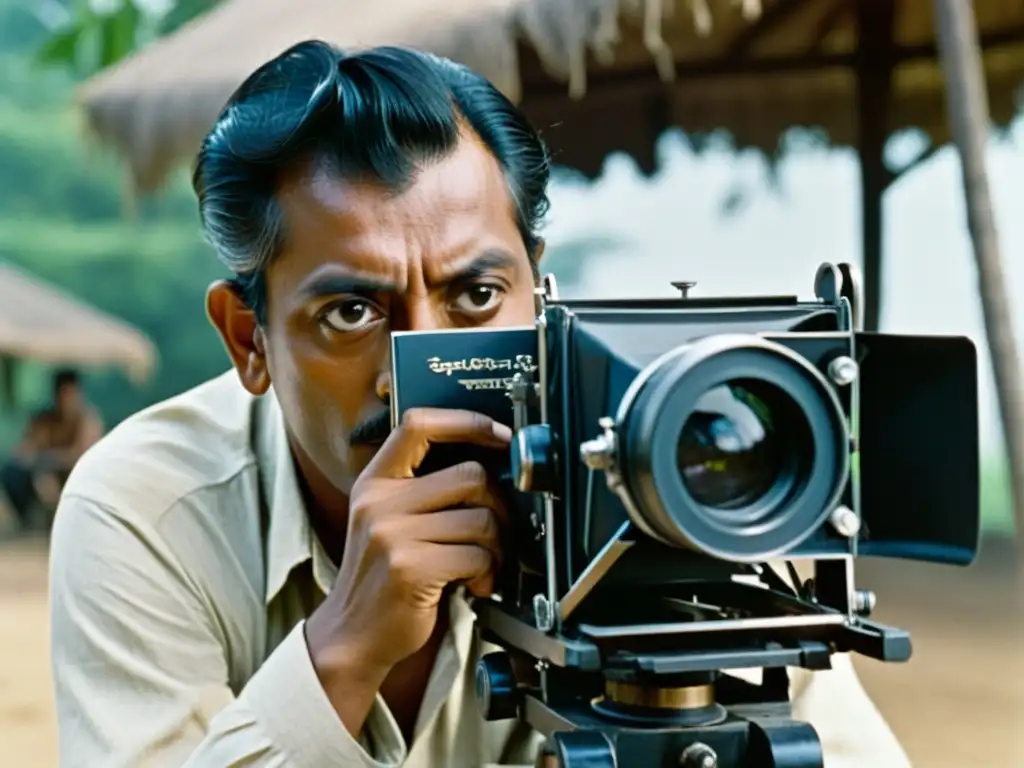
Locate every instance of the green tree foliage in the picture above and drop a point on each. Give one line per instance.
(93, 35)
(62, 218)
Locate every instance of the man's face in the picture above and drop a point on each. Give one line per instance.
(360, 262)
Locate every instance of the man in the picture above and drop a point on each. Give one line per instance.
(54, 440)
(250, 574)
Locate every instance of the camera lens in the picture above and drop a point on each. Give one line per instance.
(742, 440)
(734, 446)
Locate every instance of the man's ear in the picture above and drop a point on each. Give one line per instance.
(538, 254)
(242, 336)
(535, 257)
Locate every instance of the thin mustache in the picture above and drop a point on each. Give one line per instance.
(372, 431)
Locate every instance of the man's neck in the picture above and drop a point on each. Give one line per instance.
(326, 507)
(330, 531)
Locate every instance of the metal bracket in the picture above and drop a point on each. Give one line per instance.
(614, 549)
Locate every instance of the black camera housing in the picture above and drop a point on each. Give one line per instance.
(621, 580)
(915, 401)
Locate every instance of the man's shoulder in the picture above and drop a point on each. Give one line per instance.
(196, 440)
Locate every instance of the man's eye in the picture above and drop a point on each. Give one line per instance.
(475, 299)
(352, 315)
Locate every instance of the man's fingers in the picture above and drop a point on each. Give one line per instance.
(450, 563)
(478, 525)
(407, 445)
(482, 586)
(461, 485)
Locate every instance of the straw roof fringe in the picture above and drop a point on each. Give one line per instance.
(155, 106)
(562, 32)
(595, 76)
(38, 322)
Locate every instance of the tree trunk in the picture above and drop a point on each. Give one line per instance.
(967, 103)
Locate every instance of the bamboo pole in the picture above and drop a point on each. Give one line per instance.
(967, 104)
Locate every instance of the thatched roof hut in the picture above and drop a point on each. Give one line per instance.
(596, 75)
(38, 322)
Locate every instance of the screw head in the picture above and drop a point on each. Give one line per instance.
(543, 613)
(596, 453)
(698, 755)
(843, 370)
(845, 521)
(864, 601)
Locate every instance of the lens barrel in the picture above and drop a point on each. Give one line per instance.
(734, 446)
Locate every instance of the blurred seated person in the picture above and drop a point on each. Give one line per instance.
(55, 438)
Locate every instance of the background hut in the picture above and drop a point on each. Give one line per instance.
(42, 324)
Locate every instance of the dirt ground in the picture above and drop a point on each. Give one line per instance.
(959, 702)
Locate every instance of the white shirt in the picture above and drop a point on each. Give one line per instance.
(183, 568)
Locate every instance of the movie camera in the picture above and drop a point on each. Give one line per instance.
(676, 463)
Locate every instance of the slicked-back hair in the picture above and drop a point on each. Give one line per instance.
(376, 115)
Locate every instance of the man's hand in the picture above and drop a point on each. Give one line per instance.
(408, 538)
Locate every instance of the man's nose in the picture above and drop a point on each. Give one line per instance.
(384, 383)
(423, 314)
(417, 315)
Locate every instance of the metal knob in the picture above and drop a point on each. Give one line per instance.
(599, 453)
(864, 602)
(698, 755)
(845, 521)
(533, 459)
(684, 287)
(843, 370)
(496, 691)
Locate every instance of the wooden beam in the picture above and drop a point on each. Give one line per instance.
(875, 65)
(645, 79)
(923, 157)
(827, 24)
(770, 21)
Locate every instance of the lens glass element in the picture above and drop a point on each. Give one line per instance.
(743, 439)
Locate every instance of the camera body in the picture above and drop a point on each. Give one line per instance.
(669, 451)
(622, 377)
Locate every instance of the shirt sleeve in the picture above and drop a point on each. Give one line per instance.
(852, 731)
(141, 675)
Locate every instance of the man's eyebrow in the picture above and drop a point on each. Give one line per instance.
(334, 284)
(488, 261)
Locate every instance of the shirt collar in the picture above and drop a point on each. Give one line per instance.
(290, 540)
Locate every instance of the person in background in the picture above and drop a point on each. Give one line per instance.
(251, 573)
(54, 440)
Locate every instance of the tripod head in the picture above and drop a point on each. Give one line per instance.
(609, 693)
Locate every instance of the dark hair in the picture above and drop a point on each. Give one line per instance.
(64, 377)
(380, 114)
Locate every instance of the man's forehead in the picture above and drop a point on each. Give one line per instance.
(465, 177)
(454, 208)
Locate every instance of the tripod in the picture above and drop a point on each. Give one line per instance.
(654, 720)
(647, 703)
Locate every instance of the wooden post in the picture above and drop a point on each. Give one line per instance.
(875, 61)
(967, 104)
